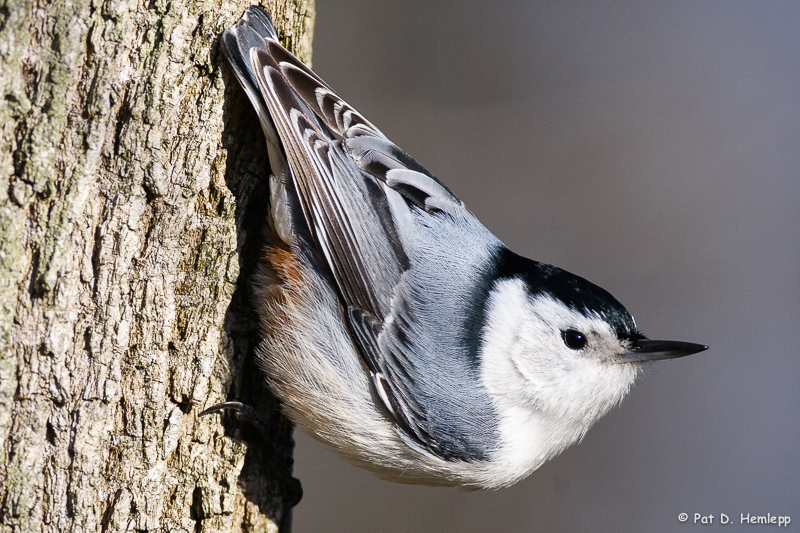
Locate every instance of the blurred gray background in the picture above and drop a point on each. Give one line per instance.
(651, 147)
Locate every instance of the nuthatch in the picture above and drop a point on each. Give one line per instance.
(396, 327)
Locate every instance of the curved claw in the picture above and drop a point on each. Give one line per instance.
(239, 407)
(244, 411)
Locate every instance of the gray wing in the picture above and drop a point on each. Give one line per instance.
(402, 249)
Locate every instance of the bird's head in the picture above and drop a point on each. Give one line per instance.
(564, 346)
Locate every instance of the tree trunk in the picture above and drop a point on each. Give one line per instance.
(128, 159)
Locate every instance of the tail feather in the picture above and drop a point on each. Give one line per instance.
(255, 30)
(252, 31)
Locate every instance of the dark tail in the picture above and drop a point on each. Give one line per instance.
(252, 31)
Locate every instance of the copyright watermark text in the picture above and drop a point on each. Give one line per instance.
(743, 519)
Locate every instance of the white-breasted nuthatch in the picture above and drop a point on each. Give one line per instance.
(396, 327)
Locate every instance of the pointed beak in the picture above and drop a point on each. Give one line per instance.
(645, 349)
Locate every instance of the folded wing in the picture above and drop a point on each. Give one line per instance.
(391, 233)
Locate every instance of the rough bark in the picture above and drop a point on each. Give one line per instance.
(128, 159)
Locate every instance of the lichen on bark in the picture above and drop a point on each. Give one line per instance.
(128, 157)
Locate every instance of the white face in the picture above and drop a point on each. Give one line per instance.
(527, 359)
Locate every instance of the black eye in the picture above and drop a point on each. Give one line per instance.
(574, 339)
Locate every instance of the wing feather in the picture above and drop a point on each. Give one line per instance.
(390, 232)
(333, 193)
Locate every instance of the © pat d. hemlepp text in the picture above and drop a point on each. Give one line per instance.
(743, 519)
